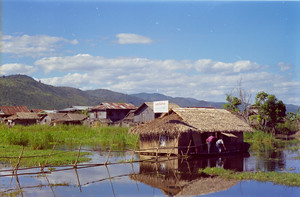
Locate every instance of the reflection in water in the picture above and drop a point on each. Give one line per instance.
(177, 176)
(273, 160)
(180, 176)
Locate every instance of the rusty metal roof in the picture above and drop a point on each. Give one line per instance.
(11, 110)
(104, 106)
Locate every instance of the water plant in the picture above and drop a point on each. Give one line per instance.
(39, 140)
(281, 178)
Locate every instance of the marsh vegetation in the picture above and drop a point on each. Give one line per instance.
(38, 140)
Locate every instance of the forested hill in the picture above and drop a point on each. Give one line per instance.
(24, 90)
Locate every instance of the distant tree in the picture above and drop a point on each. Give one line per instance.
(271, 111)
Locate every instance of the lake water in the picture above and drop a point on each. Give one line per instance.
(166, 177)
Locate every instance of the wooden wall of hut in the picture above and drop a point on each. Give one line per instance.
(165, 144)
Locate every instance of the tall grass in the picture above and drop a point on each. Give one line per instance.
(43, 136)
(263, 142)
(260, 140)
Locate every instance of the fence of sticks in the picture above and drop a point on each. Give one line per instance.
(45, 169)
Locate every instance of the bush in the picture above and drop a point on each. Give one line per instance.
(287, 128)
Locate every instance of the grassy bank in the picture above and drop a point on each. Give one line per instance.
(39, 140)
(281, 178)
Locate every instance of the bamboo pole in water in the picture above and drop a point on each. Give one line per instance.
(75, 164)
(18, 163)
(50, 185)
(112, 187)
(134, 150)
(77, 176)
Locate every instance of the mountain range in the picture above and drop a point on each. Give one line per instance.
(24, 90)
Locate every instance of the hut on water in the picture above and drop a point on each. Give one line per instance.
(185, 130)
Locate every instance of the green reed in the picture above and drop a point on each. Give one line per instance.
(43, 136)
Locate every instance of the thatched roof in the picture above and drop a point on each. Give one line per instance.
(64, 117)
(24, 116)
(180, 120)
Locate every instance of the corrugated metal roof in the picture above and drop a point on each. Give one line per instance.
(105, 106)
(11, 110)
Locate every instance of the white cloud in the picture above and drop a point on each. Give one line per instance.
(32, 46)
(8, 69)
(127, 38)
(207, 65)
(72, 80)
(284, 66)
(201, 79)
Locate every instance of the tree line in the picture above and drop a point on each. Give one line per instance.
(267, 113)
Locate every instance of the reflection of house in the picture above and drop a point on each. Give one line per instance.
(184, 131)
(177, 176)
(6, 111)
(111, 112)
(145, 112)
(63, 118)
(23, 118)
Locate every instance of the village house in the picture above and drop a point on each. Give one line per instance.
(22, 118)
(63, 118)
(145, 112)
(110, 112)
(185, 130)
(6, 111)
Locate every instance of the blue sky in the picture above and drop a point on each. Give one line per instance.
(192, 49)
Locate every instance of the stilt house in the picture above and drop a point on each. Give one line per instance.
(185, 130)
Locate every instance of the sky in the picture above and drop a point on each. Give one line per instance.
(197, 49)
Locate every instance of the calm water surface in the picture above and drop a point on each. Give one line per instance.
(174, 177)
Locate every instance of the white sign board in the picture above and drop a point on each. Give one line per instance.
(161, 106)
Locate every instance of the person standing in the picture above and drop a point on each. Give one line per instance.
(220, 144)
(210, 141)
